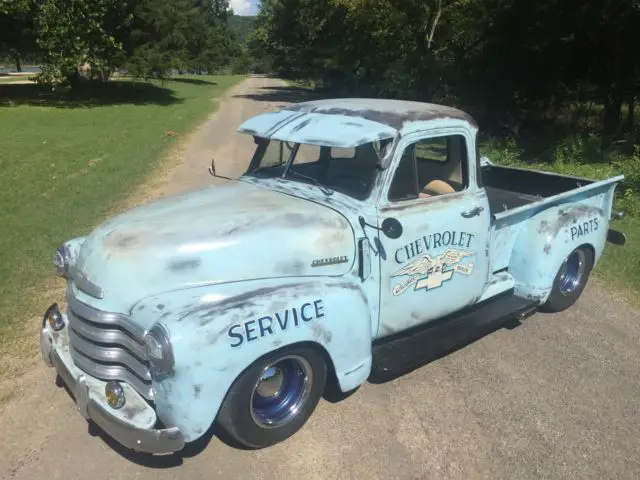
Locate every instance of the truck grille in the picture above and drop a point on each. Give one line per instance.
(108, 346)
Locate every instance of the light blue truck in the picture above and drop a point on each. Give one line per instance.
(365, 238)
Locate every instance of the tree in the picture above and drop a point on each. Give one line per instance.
(508, 61)
(17, 31)
(90, 38)
(180, 34)
(73, 33)
(241, 26)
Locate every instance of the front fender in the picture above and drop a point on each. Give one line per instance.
(217, 332)
(549, 237)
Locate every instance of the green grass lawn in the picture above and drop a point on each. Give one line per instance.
(66, 160)
(620, 266)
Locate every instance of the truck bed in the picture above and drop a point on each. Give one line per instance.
(516, 195)
(508, 188)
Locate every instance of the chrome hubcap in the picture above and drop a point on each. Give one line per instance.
(270, 382)
(572, 272)
(280, 392)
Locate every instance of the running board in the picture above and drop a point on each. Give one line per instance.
(399, 354)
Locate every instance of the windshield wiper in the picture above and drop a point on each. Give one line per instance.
(260, 168)
(324, 189)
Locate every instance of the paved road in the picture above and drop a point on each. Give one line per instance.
(557, 397)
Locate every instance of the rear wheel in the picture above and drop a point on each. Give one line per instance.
(570, 280)
(273, 399)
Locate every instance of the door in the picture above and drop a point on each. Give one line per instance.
(439, 264)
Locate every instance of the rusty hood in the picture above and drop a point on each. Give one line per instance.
(233, 232)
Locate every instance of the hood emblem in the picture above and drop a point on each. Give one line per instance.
(323, 262)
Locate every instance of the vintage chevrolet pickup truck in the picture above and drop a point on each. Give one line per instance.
(365, 238)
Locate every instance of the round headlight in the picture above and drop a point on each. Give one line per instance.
(158, 349)
(54, 318)
(62, 260)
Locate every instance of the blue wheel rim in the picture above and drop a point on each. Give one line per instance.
(572, 273)
(280, 391)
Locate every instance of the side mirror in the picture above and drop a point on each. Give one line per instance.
(392, 228)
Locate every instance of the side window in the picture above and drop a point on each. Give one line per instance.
(405, 181)
(339, 152)
(275, 155)
(431, 167)
(307, 154)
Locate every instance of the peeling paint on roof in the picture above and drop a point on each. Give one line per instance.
(349, 122)
(393, 113)
(317, 128)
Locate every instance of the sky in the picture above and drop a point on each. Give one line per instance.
(244, 7)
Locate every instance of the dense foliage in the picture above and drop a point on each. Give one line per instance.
(72, 39)
(551, 82)
(241, 27)
(17, 35)
(502, 58)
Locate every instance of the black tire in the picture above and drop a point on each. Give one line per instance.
(568, 286)
(242, 419)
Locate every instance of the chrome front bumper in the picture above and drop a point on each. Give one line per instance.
(132, 425)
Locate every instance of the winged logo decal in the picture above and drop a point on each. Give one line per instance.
(428, 272)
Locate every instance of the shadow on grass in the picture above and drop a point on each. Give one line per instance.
(289, 94)
(192, 81)
(98, 94)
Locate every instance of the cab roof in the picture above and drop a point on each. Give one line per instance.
(348, 122)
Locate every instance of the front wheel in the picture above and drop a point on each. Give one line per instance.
(570, 280)
(274, 397)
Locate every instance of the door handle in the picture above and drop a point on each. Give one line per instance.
(472, 213)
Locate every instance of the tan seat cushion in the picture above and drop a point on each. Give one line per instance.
(436, 187)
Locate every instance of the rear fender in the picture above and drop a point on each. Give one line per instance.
(550, 236)
(218, 332)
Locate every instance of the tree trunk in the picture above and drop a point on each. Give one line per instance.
(628, 124)
(612, 108)
(105, 74)
(18, 64)
(434, 24)
(615, 94)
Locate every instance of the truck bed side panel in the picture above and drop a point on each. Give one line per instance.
(533, 240)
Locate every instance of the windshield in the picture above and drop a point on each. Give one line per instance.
(351, 171)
